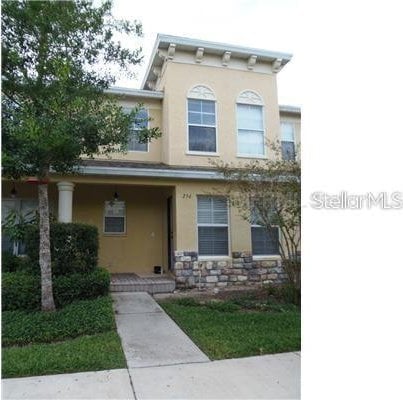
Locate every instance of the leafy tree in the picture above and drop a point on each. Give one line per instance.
(57, 60)
(268, 193)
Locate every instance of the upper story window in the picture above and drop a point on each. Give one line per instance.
(250, 125)
(140, 122)
(202, 127)
(288, 141)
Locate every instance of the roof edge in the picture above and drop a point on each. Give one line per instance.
(149, 94)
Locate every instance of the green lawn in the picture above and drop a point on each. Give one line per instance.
(86, 353)
(80, 337)
(230, 329)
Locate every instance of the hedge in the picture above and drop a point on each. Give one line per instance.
(82, 317)
(73, 247)
(12, 263)
(22, 291)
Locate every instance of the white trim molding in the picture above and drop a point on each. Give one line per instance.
(201, 92)
(250, 97)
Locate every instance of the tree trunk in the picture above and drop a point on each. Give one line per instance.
(47, 301)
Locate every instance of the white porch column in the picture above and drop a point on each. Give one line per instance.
(65, 201)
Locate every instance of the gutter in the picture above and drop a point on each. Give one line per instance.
(151, 173)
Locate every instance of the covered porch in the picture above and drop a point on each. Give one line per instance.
(135, 221)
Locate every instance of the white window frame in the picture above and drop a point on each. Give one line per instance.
(251, 98)
(293, 136)
(208, 95)
(136, 130)
(124, 219)
(227, 225)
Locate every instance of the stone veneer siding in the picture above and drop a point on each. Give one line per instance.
(189, 272)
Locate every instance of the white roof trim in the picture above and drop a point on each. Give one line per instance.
(290, 109)
(151, 172)
(164, 41)
(149, 94)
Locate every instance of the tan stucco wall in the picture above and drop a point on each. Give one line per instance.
(145, 242)
(227, 84)
(154, 153)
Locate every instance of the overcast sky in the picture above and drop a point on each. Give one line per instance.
(265, 24)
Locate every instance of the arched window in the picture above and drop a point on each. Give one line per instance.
(202, 125)
(250, 124)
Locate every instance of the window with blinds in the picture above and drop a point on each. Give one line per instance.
(250, 130)
(212, 225)
(265, 243)
(115, 217)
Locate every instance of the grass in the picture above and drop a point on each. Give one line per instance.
(80, 337)
(77, 319)
(238, 328)
(86, 353)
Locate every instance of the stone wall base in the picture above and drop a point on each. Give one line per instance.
(241, 269)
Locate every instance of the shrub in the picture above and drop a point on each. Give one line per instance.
(22, 291)
(12, 263)
(9, 262)
(286, 293)
(79, 318)
(74, 247)
(72, 287)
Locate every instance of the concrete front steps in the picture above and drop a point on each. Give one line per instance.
(135, 283)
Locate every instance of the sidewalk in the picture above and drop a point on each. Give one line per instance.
(163, 363)
(149, 337)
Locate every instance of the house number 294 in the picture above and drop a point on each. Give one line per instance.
(186, 196)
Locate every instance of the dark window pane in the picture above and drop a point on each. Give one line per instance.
(194, 105)
(114, 225)
(264, 242)
(202, 138)
(208, 106)
(213, 241)
(288, 151)
(194, 118)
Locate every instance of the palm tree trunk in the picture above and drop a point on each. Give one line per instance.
(47, 301)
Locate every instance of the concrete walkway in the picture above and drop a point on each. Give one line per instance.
(163, 363)
(149, 337)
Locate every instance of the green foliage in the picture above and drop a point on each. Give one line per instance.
(87, 353)
(229, 334)
(56, 64)
(22, 291)
(69, 288)
(10, 262)
(83, 317)
(268, 193)
(223, 306)
(285, 293)
(73, 247)
(15, 223)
